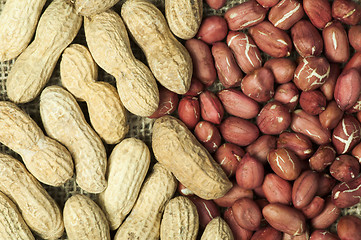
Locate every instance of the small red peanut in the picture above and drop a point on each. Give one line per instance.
(284, 163)
(212, 29)
(261, 147)
(228, 155)
(347, 89)
(298, 143)
(331, 116)
(189, 111)
(267, 3)
(208, 135)
(196, 88)
(267, 233)
(325, 185)
(346, 195)
(168, 102)
(235, 193)
(328, 215)
(207, 210)
(329, 86)
(288, 95)
(346, 134)
(276, 189)
(313, 102)
(286, 13)
(314, 208)
(249, 173)
(323, 235)
(354, 36)
(348, 228)
(335, 42)
(345, 168)
(211, 108)
(282, 69)
(238, 231)
(274, 118)
(355, 62)
(356, 152)
(247, 214)
(304, 189)
(322, 158)
(346, 11)
(319, 12)
(306, 39)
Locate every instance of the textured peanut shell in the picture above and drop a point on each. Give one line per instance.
(107, 115)
(184, 17)
(180, 220)
(48, 161)
(168, 59)
(57, 28)
(128, 165)
(64, 121)
(92, 7)
(18, 21)
(38, 209)
(144, 220)
(83, 219)
(180, 152)
(109, 45)
(12, 224)
(217, 229)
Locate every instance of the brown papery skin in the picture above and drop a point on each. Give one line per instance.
(319, 12)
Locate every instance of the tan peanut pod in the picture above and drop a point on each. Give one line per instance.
(12, 224)
(83, 219)
(109, 45)
(217, 229)
(128, 165)
(184, 17)
(57, 28)
(17, 26)
(144, 220)
(48, 161)
(180, 220)
(64, 121)
(38, 209)
(180, 152)
(107, 115)
(168, 59)
(92, 7)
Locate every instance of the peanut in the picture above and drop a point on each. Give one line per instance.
(92, 7)
(282, 69)
(34, 66)
(276, 189)
(284, 163)
(17, 26)
(306, 39)
(313, 102)
(233, 195)
(250, 172)
(180, 220)
(127, 167)
(184, 17)
(319, 12)
(207, 210)
(83, 219)
(238, 231)
(217, 229)
(211, 107)
(178, 149)
(63, 120)
(213, 29)
(298, 143)
(349, 227)
(345, 168)
(274, 118)
(335, 42)
(38, 209)
(109, 45)
(304, 189)
(247, 213)
(106, 112)
(168, 103)
(171, 65)
(144, 220)
(228, 156)
(286, 13)
(49, 161)
(328, 215)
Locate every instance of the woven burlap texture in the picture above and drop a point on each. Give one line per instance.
(140, 128)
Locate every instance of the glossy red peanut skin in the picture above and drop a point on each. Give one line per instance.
(247, 214)
(208, 135)
(356, 152)
(304, 189)
(319, 12)
(296, 142)
(228, 155)
(203, 64)
(356, 107)
(196, 88)
(347, 194)
(235, 193)
(346, 134)
(271, 40)
(212, 29)
(211, 108)
(346, 11)
(168, 102)
(355, 62)
(261, 147)
(313, 102)
(310, 126)
(348, 228)
(276, 189)
(228, 71)
(311, 73)
(267, 3)
(345, 168)
(314, 208)
(181, 189)
(329, 86)
(245, 51)
(325, 184)
(238, 104)
(238, 231)
(207, 210)
(274, 118)
(259, 85)
(267, 233)
(331, 116)
(239, 131)
(288, 95)
(285, 219)
(284, 163)
(328, 216)
(189, 111)
(322, 158)
(250, 172)
(282, 69)
(323, 235)
(347, 89)
(354, 36)
(306, 39)
(335, 42)
(245, 15)
(216, 4)
(286, 13)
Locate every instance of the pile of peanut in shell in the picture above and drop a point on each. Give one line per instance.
(180, 119)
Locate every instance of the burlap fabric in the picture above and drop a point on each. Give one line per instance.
(140, 128)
